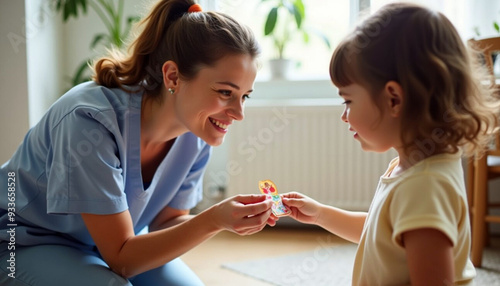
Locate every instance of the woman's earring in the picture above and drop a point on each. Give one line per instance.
(171, 90)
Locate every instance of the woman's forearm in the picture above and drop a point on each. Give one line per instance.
(129, 254)
(145, 252)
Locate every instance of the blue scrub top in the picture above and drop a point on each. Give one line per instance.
(84, 157)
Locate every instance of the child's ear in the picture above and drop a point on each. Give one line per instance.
(394, 94)
(170, 74)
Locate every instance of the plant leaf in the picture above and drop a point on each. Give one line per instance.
(299, 5)
(299, 12)
(83, 3)
(321, 35)
(58, 5)
(66, 12)
(305, 37)
(133, 19)
(71, 8)
(325, 39)
(296, 9)
(99, 38)
(79, 76)
(298, 18)
(497, 28)
(476, 31)
(272, 17)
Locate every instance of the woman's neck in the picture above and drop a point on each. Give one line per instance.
(158, 122)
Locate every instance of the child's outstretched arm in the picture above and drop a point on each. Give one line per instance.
(346, 224)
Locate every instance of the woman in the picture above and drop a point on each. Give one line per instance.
(128, 150)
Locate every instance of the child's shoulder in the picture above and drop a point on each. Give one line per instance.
(441, 165)
(439, 171)
(442, 161)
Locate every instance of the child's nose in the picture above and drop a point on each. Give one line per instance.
(343, 117)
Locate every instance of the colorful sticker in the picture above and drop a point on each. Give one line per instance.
(268, 188)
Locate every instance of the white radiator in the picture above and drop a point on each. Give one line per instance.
(303, 147)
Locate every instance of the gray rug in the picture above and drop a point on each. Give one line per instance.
(333, 266)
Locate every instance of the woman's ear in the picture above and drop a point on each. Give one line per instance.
(170, 74)
(395, 96)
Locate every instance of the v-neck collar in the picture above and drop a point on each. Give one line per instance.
(134, 172)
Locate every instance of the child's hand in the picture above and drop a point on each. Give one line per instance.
(304, 209)
(243, 214)
(271, 221)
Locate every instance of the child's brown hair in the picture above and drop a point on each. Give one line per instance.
(444, 97)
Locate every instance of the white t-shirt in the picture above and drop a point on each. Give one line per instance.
(430, 194)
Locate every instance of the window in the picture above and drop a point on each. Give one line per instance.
(469, 17)
(331, 18)
(336, 18)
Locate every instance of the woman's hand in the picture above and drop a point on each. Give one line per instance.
(304, 209)
(243, 214)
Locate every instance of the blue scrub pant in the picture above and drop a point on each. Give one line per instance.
(58, 265)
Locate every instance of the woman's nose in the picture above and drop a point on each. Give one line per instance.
(236, 110)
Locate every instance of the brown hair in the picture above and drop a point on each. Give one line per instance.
(191, 40)
(421, 50)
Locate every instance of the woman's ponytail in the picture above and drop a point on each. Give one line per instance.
(117, 70)
(190, 39)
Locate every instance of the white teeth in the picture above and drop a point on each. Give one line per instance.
(220, 124)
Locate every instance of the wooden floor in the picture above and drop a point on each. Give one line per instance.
(207, 258)
(226, 247)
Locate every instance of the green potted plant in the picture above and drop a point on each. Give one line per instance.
(285, 21)
(110, 12)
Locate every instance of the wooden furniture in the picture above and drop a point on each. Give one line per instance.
(482, 170)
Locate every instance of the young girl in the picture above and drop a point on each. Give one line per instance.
(409, 84)
(128, 151)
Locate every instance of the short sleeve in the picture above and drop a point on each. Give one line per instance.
(84, 170)
(191, 190)
(426, 201)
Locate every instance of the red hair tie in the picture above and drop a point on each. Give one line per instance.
(195, 8)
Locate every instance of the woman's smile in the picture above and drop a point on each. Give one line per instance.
(219, 125)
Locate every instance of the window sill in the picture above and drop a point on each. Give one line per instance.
(294, 89)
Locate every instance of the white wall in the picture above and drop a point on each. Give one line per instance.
(44, 46)
(79, 33)
(268, 92)
(39, 54)
(13, 87)
(31, 70)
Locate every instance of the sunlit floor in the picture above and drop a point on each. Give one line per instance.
(226, 247)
